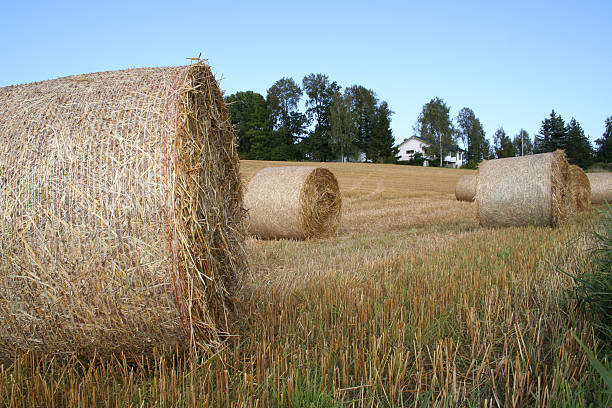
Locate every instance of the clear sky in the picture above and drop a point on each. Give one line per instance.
(511, 62)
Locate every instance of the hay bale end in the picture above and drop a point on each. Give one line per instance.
(465, 190)
(580, 188)
(298, 202)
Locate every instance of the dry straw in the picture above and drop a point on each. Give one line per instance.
(601, 187)
(581, 188)
(121, 226)
(527, 190)
(465, 190)
(296, 202)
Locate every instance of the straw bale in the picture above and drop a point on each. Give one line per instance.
(580, 187)
(465, 190)
(120, 205)
(296, 202)
(601, 187)
(527, 190)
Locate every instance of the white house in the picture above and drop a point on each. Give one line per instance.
(415, 144)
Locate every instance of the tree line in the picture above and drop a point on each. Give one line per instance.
(336, 124)
(435, 125)
(346, 124)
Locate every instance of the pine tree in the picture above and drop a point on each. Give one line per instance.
(578, 148)
(552, 135)
(381, 147)
(604, 150)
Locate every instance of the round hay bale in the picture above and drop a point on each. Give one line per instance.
(527, 190)
(298, 202)
(121, 219)
(465, 190)
(601, 187)
(580, 187)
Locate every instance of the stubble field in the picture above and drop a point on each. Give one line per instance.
(411, 303)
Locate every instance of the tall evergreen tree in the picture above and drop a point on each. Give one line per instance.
(522, 143)
(251, 121)
(282, 100)
(604, 144)
(435, 126)
(472, 135)
(503, 145)
(552, 135)
(380, 148)
(578, 147)
(319, 90)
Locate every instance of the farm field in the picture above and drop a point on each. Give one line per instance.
(411, 303)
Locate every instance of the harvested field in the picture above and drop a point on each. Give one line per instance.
(410, 303)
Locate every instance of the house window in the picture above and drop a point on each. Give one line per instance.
(409, 151)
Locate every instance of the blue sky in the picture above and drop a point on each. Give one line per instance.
(511, 62)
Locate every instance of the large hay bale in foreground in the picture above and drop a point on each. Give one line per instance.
(121, 226)
(465, 190)
(527, 190)
(601, 187)
(296, 202)
(580, 187)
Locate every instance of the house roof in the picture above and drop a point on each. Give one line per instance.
(454, 148)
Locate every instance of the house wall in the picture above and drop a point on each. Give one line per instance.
(414, 145)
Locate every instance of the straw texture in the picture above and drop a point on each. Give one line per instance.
(528, 190)
(296, 202)
(465, 190)
(580, 187)
(120, 205)
(601, 187)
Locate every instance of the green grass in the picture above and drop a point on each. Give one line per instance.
(593, 289)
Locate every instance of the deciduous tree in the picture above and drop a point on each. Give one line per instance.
(522, 143)
(472, 135)
(503, 145)
(251, 121)
(283, 99)
(343, 129)
(435, 126)
(319, 90)
(363, 106)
